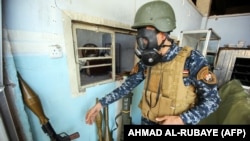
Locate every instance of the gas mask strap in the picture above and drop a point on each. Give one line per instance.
(167, 36)
(162, 44)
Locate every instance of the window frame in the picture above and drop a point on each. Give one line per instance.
(97, 28)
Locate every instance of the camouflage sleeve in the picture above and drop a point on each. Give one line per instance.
(206, 83)
(135, 78)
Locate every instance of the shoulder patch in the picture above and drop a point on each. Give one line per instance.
(206, 76)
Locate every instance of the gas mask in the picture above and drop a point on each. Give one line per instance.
(148, 48)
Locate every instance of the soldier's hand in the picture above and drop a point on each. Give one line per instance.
(92, 113)
(170, 120)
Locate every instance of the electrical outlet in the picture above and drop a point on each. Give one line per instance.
(55, 51)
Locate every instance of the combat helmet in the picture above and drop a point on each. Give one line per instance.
(159, 14)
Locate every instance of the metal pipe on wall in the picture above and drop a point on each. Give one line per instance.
(6, 118)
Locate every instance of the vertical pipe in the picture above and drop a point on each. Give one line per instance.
(4, 107)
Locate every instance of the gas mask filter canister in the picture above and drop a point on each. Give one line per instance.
(148, 48)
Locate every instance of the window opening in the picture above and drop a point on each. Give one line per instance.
(241, 71)
(101, 53)
(227, 7)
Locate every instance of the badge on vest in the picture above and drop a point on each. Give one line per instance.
(207, 76)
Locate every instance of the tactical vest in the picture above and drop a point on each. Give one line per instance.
(164, 91)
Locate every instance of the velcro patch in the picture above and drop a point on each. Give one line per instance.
(206, 76)
(185, 73)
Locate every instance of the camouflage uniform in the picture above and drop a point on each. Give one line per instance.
(196, 70)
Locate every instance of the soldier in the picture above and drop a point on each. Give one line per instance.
(177, 89)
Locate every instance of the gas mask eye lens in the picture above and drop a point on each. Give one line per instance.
(145, 42)
(142, 43)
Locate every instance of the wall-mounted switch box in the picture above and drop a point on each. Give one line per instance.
(55, 51)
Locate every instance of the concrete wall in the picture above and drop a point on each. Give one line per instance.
(31, 27)
(231, 28)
